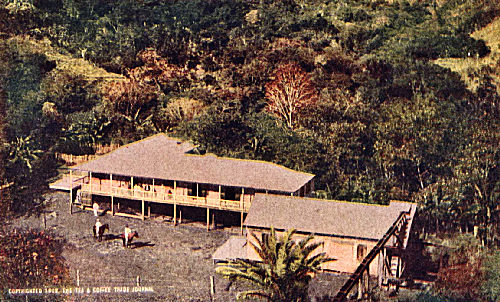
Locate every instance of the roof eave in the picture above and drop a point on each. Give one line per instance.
(314, 233)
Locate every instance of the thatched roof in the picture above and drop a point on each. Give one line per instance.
(163, 157)
(326, 217)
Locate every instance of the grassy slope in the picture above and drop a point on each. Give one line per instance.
(65, 62)
(470, 68)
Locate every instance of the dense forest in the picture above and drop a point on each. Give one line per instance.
(350, 90)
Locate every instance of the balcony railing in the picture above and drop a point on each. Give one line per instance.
(170, 198)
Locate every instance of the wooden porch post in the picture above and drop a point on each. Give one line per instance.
(90, 181)
(70, 192)
(142, 212)
(132, 185)
(242, 197)
(112, 197)
(220, 196)
(180, 214)
(208, 219)
(213, 221)
(175, 202)
(197, 190)
(153, 190)
(241, 228)
(149, 209)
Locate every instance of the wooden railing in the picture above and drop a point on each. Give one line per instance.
(170, 198)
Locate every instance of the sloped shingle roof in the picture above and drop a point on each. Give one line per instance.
(163, 157)
(338, 218)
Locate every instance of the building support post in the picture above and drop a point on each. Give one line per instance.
(208, 219)
(175, 202)
(400, 265)
(242, 198)
(90, 182)
(132, 185)
(241, 225)
(70, 192)
(213, 220)
(153, 189)
(367, 282)
(112, 197)
(360, 287)
(380, 268)
(142, 208)
(220, 196)
(149, 209)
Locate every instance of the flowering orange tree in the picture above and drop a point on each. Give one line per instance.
(289, 92)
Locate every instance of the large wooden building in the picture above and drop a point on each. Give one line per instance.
(161, 170)
(139, 178)
(348, 231)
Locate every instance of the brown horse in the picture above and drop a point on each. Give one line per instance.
(102, 228)
(130, 238)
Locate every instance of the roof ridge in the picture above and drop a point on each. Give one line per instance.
(338, 201)
(260, 161)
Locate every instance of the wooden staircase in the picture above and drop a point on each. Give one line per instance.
(399, 228)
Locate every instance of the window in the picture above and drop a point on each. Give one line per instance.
(192, 189)
(230, 193)
(361, 252)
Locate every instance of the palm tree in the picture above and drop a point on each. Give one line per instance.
(285, 270)
(23, 154)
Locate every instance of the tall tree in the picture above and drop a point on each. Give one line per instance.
(285, 270)
(4, 183)
(5, 200)
(289, 92)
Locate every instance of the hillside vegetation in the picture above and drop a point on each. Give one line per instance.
(381, 100)
(473, 69)
(65, 63)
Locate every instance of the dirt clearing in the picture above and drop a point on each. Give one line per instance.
(176, 262)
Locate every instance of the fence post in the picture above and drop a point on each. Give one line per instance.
(138, 281)
(78, 278)
(212, 288)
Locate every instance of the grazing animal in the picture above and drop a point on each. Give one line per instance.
(130, 237)
(102, 228)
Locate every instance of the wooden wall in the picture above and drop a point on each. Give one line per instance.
(343, 250)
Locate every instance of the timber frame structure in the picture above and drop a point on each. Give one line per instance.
(164, 170)
(390, 257)
(365, 240)
(160, 170)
